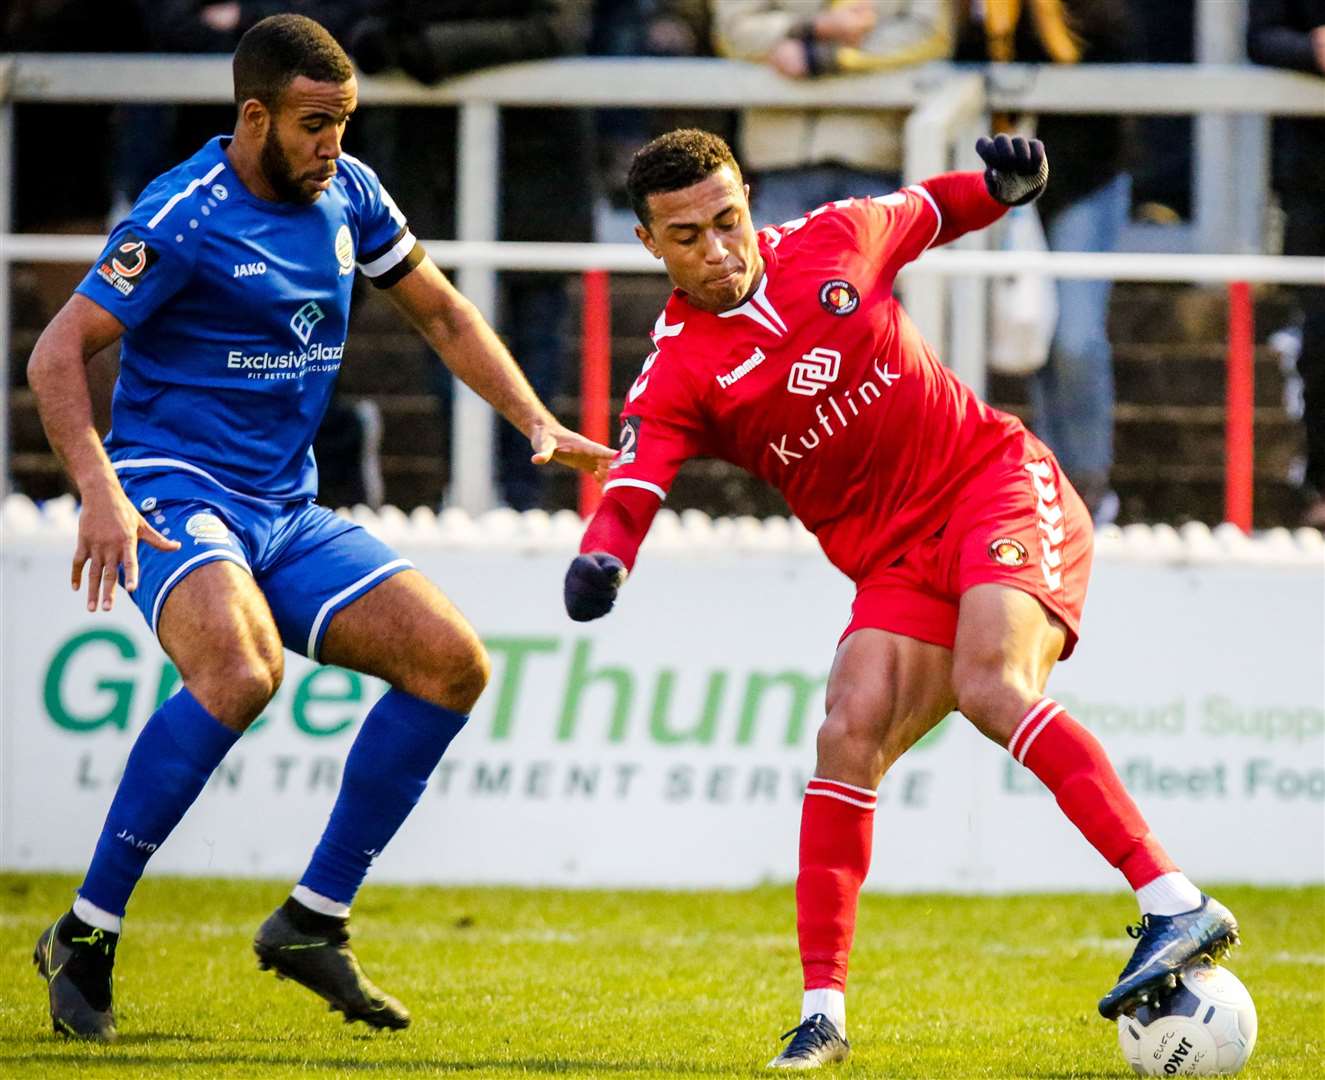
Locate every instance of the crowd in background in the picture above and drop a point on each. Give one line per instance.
(1106, 169)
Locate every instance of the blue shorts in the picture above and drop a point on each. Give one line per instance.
(308, 561)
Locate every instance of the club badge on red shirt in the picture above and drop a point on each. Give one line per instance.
(839, 297)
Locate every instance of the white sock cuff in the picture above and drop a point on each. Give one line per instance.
(865, 798)
(1168, 894)
(1030, 727)
(95, 916)
(832, 1003)
(323, 905)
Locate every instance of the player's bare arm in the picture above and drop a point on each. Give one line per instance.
(109, 527)
(460, 335)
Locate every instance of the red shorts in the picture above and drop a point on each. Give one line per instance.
(1018, 525)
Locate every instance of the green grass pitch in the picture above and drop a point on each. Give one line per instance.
(508, 982)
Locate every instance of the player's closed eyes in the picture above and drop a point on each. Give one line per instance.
(317, 125)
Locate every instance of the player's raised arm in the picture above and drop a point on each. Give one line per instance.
(1016, 172)
(109, 527)
(460, 335)
(942, 208)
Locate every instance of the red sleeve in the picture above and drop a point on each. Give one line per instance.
(621, 523)
(903, 225)
(963, 203)
(662, 426)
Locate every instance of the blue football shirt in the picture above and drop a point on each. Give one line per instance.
(235, 312)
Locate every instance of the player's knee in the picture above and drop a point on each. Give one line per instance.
(852, 729)
(466, 677)
(236, 689)
(993, 696)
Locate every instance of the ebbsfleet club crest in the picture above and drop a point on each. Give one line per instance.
(838, 297)
(206, 528)
(344, 250)
(1008, 552)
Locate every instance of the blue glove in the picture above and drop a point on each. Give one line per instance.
(1017, 168)
(591, 585)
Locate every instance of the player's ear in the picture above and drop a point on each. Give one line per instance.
(646, 238)
(254, 115)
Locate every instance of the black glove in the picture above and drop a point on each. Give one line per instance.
(591, 585)
(1018, 170)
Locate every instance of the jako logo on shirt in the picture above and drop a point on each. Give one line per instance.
(303, 320)
(250, 269)
(814, 371)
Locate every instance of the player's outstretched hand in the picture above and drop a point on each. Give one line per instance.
(591, 585)
(553, 442)
(109, 529)
(1017, 168)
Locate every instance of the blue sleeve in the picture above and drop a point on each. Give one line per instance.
(387, 249)
(139, 270)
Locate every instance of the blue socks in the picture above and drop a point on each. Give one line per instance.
(400, 743)
(168, 766)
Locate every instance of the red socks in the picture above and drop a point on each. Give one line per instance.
(837, 833)
(1072, 764)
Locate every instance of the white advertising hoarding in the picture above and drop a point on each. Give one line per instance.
(668, 744)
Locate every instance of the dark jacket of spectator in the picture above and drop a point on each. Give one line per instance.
(63, 26)
(206, 26)
(1279, 35)
(1085, 152)
(546, 157)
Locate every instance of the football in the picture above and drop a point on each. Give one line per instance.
(1204, 1026)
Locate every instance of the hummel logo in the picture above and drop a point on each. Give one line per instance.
(742, 369)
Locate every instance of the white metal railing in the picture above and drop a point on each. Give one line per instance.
(947, 104)
(944, 262)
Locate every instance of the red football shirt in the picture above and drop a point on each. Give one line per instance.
(821, 385)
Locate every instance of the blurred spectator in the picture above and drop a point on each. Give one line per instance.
(803, 158)
(655, 28)
(62, 194)
(149, 138)
(1291, 34)
(68, 26)
(1084, 209)
(545, 168)
(1162, 177)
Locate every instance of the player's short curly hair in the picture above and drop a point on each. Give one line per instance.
(277, 50)
(672, 162)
